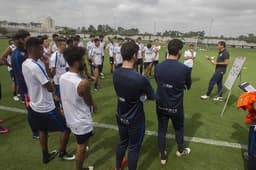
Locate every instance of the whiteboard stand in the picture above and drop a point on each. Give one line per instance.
(234, 72)
(240, 76)
(226, 103)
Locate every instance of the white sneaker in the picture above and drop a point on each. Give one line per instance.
(246, 156)
(185, 152)
(220, 99)
(16, 98)
(163, 158)
(204, 97)
(163, 162)
(66, 156)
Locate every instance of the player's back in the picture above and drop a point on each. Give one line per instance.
(172, 78)
(129, 86)
(76, 111)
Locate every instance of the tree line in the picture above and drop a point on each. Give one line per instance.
(106, 29)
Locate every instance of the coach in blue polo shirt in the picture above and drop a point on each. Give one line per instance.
(172, 78)
(220, 69)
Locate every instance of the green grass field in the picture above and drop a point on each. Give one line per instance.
(202, 119)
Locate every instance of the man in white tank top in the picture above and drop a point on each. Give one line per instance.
(77, 101)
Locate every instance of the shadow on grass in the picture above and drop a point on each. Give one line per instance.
(150, 145)
(96, 147)
(192, 124)
(232, 100)
(238, 135)
(195, 79)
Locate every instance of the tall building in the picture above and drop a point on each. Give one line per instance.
(49, 25)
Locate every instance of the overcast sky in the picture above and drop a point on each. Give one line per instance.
(216, 17)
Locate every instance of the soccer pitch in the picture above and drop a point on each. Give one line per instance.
(202, 119)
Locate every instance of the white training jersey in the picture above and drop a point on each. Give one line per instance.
(76, 111)
(58, 62)
(80, 44)
(189, 62)
(36, 77)
(110, 48)
(39, 61)
(54, 47)
(157, 51)
(47, 52)
(102, 47)
(89, 47)
(141, 49)
(12, 47)
(96, 54)
(149, 54)
(117, 52)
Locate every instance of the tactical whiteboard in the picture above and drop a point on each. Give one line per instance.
(234, 72)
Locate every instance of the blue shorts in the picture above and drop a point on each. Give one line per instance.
(12, 75)
(52, 121)
(57, 90)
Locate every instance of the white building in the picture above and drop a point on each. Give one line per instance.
(13, 26)
(48, 25)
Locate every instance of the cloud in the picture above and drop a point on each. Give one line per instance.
(230, 17)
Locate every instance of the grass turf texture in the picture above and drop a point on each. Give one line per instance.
(202, 119)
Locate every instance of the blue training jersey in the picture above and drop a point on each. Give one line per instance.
(130, 86)
(172, 78)
(17, 58)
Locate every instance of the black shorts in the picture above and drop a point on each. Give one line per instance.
(82, 139)
(156, 62)
(118, 66)
(111, 60)
(90, 62)
(146, 64)
(52, 121)
(96, 66)
(139, 61)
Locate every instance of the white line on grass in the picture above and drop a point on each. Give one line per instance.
(152, 133)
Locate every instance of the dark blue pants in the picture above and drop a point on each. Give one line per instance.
(252, 149)
(131, 136)
(178, 125)
(216, 79)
